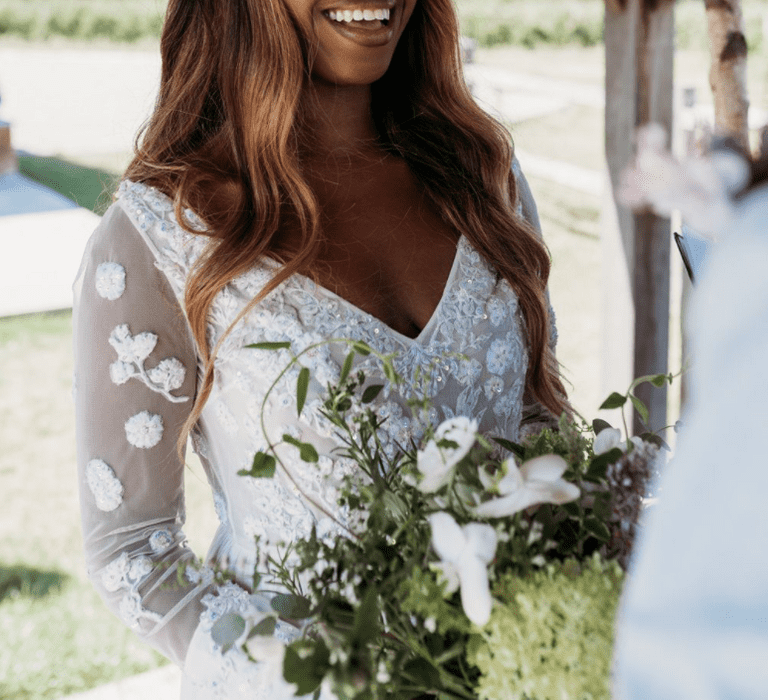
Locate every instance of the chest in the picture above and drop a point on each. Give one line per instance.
(386, 250)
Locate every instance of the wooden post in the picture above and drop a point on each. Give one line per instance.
(639, 45)
(8, 163)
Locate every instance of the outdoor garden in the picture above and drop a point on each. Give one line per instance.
(56, 637)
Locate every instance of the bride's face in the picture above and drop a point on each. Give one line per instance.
(355, 39)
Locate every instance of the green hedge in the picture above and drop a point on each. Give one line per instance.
(491, 22)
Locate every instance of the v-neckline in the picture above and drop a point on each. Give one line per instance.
(354, 308)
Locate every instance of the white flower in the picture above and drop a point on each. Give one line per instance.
(469, 550)
(110, 280)
(169, 374)
(104, 485)
(606, 440)
(132, 348)
(144, 430)
(537, 481)
(447, 575)
(435, 463)
(120, 372)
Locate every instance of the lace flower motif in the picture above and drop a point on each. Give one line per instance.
(110, 280)
(160, 541)
(126, 573)
(104, 485)
(144, 430)
(132, 351)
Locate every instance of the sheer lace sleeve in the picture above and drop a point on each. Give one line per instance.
(535, 416)
(135, 375)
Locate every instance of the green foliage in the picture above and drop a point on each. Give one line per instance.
(552, 635)
(126, 21)
(528, 23)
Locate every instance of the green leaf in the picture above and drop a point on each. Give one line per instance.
(366, 627)
(306, 662)
(615, 400)
(307, 451)
(599, 465)
(390, 374)
(513, 447)
(597, 528)
(640, 407)
(291, 607)
(263, 467)
(269, 346)
(657, 440)
(372, 392)
(599, 425)
(658, 380)
(266, 628)
(302, 385)
(423, 673)
(346, 368)
(361, 348)
(227, 630)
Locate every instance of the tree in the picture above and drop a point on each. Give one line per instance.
(728, 73)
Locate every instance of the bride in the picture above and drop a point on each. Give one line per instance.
(313, 169)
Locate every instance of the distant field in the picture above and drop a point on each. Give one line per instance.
(491, 22)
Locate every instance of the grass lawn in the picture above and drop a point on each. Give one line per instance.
(87, 186)
(56, 637)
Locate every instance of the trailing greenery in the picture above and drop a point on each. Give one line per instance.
(491, 22)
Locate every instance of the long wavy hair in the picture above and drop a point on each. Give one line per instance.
(226, 136)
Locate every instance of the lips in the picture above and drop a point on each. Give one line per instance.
(370, 33)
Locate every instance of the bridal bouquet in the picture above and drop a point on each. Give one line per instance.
(473, 567)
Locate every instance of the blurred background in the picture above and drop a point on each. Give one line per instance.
(77, 80)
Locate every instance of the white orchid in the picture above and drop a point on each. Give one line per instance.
(538, 480)
(436, 463)
(607, 440)
(465, 553)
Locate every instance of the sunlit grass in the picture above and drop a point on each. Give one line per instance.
(56, 636)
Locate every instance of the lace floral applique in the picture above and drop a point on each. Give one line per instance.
(110, 280)
(104, 485)
(144, 430)
(226, 418)
(220, 506)
(126, 573)
(160, 541)
(132, 351)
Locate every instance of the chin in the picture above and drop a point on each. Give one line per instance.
(351, 76)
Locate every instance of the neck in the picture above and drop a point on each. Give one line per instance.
(339, 123)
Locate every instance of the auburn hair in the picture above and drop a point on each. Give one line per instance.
(226, 135)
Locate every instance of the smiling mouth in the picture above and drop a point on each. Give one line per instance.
(365, 19)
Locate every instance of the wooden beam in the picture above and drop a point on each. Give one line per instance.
(639, 45)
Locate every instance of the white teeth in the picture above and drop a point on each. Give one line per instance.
(358, 15)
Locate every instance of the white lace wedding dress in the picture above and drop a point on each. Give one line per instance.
(136, 376)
